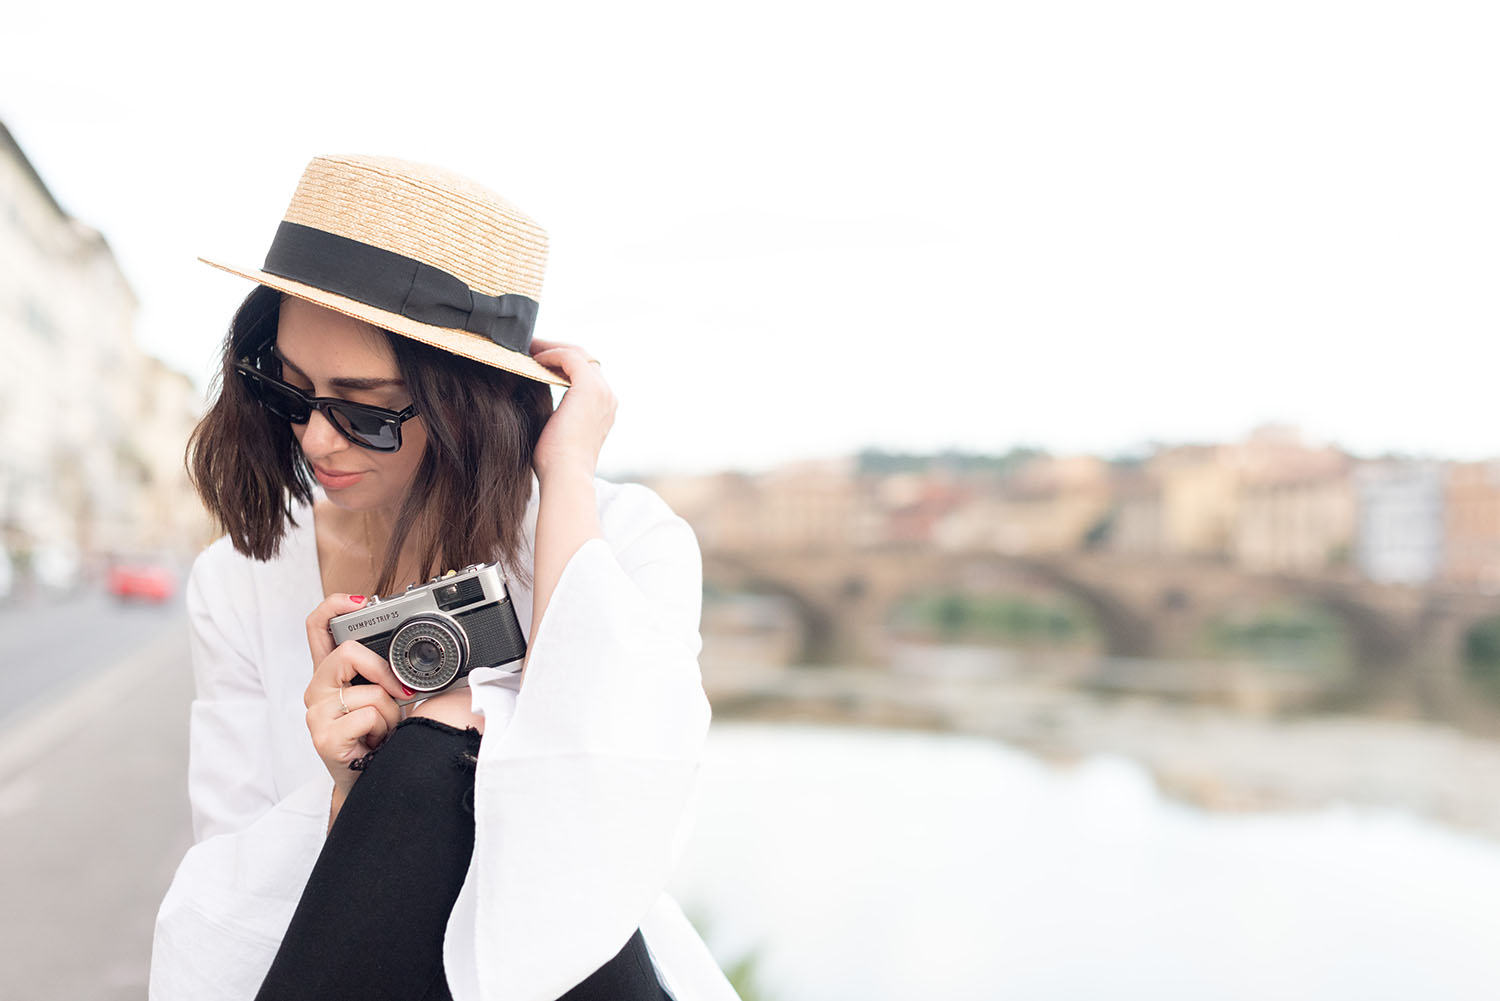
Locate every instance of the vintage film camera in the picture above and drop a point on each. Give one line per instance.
(436, 633)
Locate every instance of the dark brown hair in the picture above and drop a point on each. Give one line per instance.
(469, 492)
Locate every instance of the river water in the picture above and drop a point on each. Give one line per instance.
(872, 865)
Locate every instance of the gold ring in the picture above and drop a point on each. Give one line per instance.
(596, 361)
(342, 704)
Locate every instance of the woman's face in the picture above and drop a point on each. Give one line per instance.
(329, 354)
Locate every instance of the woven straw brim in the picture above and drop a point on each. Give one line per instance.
(459, 342)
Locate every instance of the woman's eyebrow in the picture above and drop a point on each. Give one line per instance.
(340, 382)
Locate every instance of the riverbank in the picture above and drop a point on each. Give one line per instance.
(1214, 758)
(857, 862)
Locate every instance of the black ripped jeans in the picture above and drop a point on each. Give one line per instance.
(371, 919)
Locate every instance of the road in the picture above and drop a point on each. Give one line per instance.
(93, 805)
(47, 646)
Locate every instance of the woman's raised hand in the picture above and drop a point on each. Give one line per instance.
(575, 432)
(347, 721)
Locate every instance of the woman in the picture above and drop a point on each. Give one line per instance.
(506, 840)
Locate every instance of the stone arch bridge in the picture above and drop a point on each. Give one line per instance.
(1407, 641)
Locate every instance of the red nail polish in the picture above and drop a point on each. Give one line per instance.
(407, 691)
(358, 598)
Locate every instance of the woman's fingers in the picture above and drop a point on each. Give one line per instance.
(345, 720)
(351, 659)
(347, 736)
(574, 435)
(319, 640)
(357, 697)
(347, 723)
(538, 344)
(574, 362)
(572, 359)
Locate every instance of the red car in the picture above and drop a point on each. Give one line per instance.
(146, 581)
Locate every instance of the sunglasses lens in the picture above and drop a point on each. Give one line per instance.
(276, 398)
(364, 426)
(366, 429)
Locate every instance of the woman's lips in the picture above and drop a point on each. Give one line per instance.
(336, 481)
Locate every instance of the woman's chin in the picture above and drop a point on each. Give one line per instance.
(358, 501)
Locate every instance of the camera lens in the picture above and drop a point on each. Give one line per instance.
(428, 652)
(424, 655)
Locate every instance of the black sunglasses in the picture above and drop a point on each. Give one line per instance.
(375, 428)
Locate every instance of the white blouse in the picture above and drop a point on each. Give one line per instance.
(581, 793)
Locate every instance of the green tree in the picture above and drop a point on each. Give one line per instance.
(952, 614)
(1482, 656)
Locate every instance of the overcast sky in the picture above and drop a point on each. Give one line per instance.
(792, 229)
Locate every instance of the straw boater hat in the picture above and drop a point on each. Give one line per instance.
(417, 250)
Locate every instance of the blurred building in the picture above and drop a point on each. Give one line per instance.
(721, 507)
(917, 507)
(1198, 486)
(1271, 503)
(165, 512)
(1471, 539)
(93, 426)
(1135, 523)
(1296, 518)
(1181, 502)
(801, 506)
(1295, 509)
(1049, 505)
(1400, 538)
(810, 505)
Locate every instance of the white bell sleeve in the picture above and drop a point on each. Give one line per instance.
(233, 895)
(582, 800)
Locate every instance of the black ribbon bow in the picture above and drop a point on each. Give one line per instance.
(399, 284)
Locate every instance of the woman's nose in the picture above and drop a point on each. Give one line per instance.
(321, 437)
